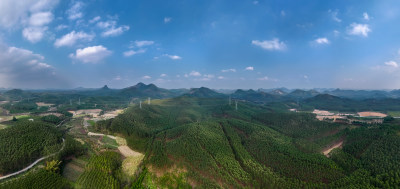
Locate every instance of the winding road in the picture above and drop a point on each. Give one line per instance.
(33, 164)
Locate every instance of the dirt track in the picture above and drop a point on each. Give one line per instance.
(336, 145)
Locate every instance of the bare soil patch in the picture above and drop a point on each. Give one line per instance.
(127, 152)
(335, 145)
(371, 114)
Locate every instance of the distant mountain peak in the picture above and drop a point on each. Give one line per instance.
(105, 87)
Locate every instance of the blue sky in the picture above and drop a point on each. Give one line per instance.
(218, 44)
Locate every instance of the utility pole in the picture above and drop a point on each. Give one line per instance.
(140, 104)
(148, 101)
(95, 105)
(236, 104)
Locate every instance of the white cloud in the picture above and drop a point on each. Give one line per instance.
(167, 19)
(365, 16)
(34, 34)
(173, 57)
(250, 68)
(117, 78)
(40, 18)
(392, 64)
(163, 75)
(265, 78)
(132, 52)
(111, 29)
(283, 13)
(229, 70)
(61, 27)
(75, 11)
(194, 73)
(273, 44)
(72, 37)
(143, 43)
(107, 24)
(305, 76)
(95, 19)
(255, 2)
(359, 29)
(146, 77)
(16, 13)
(94, 54)
(220, 77)
(115, 31)
(334, 15)
(322, 40)
(336, 33)
(23, 68)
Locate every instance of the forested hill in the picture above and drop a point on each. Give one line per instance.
(206, 142)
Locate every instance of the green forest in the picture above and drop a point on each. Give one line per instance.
(24, 142)
(256, 147)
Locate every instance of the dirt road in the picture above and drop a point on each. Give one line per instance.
(337, 145)
(33, 164)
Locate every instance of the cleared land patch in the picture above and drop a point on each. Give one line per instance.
(336, 145)
(74, 169)
(371, 114)
(131, 164)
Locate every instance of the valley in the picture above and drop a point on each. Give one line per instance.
(202, 139)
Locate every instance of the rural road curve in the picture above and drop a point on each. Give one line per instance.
(33, 164)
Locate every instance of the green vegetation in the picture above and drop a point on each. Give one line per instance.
(37, 180)
(101, 172)
(215, 146)
(25, 142)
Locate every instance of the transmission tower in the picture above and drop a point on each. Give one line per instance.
(236, 105)
(148, 101)
(140, 104)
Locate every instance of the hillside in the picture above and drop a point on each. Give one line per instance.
(204, 92)
(209, 144)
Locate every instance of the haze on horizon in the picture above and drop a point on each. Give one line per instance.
(216, 44)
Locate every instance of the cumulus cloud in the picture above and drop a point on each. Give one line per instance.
(173, 57)
(95, 19)
(365, 16)
(221, 77)
(167, 19)
(34, 34)
(229, 70)
(322, 40)
(32, 15)
(132, 52)
(194, 73)
(61, 27)
(115, 31)
(273, 44)
(250, 68)
(15, 13)
(75, 11)
(359, 29)
(265, 78)
(40, 18)
(23, 68)
(163, 75)
(392, 64)
(72, 37)
(146, 77)
(94, 54)
(143, 43)
(111, 29)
